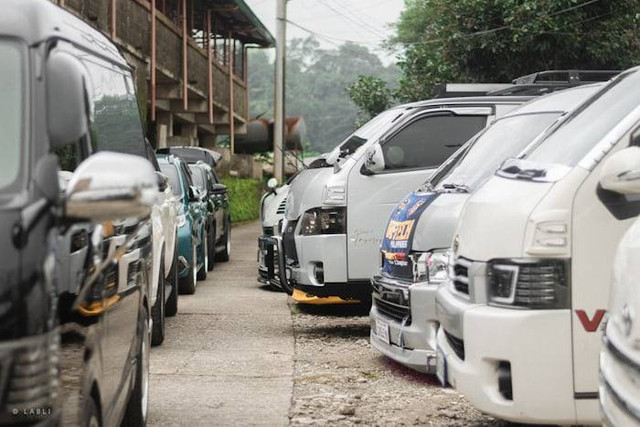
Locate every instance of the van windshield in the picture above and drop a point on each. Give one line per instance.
(573, 140)
(11, 113)
(372, 129)
(482, 156)
(172, 172)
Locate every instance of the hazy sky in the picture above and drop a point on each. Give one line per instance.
(363, 21)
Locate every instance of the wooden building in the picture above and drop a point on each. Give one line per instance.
(190, 62)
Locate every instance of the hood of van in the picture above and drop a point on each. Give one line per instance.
(306, 191)
(438, 222)
(494, 219)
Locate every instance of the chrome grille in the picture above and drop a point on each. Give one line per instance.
(392, 303)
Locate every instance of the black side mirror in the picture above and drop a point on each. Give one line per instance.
(219, 189)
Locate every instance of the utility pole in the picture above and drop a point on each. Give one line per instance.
(278, 109)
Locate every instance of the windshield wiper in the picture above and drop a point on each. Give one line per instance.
(462, 188)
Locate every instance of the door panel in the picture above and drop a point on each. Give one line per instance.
(411, 155)
(596, 234)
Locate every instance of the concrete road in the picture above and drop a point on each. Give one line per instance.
(228, 355)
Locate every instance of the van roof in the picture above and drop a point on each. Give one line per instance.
(36, 21)
(562, 100)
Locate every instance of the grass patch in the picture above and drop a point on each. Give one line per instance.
(244, 196)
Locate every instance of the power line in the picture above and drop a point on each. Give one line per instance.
(358, 18)
(357, 24)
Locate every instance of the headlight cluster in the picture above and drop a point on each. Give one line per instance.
(324, 221)
(536, 284)
(430, 267)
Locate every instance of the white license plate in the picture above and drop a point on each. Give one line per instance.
(382, 330)
(441, 367)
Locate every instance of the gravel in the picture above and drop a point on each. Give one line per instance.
(340, 379)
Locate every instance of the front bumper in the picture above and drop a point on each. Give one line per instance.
(534, 344)
(412, 342)
(325, 252)
(269, 260)
(619, 387)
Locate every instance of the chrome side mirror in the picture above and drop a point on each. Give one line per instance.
(621, 172)
(272, 184)
(109, 186)
(373, 160)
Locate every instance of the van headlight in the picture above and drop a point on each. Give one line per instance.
(431, 267)
(529, 283)
(324, 221)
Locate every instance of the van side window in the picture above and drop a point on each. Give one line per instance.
(116, 122)
(430, 140)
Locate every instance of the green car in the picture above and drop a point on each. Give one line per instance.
(193, 217)
(219, 218)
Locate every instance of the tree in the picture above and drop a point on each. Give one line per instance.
(316, 83)
(498, 40)
(371, 94)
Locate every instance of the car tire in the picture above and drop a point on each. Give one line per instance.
(204, 250)
(225, 254)
(211, 250)
(188, 283)
(138, 404)
(91, 413)
(158, 310)
(171, 309)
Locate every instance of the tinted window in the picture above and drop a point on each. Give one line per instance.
(504, 139)
(429, 141)
(174, 179)
(198, 177)
(116, 124)
(11, 111)
(569, 143)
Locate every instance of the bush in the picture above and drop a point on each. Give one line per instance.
(244, 196)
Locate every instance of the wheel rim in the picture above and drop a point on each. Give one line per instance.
(144, 355)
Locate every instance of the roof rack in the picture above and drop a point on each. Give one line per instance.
(457, 90)
(564, 77)
(544, 82)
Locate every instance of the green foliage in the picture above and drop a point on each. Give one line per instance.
(371, 94)
(317, 79)
(244, 197)
(498, 40)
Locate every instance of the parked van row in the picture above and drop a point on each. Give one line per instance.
(494, 272)
(91, 226)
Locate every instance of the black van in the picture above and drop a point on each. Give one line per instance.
(74, 339)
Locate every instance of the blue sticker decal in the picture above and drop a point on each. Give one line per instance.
(398, 236)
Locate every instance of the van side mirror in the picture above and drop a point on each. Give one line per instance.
(67, 109)
(373, 160)
(219, 189)
(621, 172)
(110, 186)
(272, 184)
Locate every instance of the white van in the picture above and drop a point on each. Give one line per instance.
(334, 218)
(620, 356)
(521, 317)
(413, 264)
